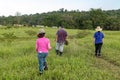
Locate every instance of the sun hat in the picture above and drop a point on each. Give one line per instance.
(98, 28)
(42, 31)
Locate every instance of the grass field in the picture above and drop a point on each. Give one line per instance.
(18, 59)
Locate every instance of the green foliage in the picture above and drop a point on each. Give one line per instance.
(18, 61)
(80, 34)
(108, 20)
(30, 32)
(9, 35)
(8, 27)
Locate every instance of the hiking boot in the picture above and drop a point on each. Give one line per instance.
(57, 52)
(41, 72)
(99, 55)
(61, 53)
(45, 66)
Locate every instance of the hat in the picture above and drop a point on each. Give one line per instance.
(42, 31)
(98, 28)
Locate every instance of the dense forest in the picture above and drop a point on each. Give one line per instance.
(75, 19)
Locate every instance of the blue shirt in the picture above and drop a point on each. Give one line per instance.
(98, 37)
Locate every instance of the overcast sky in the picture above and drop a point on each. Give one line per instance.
(10, 7)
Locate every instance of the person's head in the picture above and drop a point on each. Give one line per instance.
(61, 27)
(41, 33)
(98, 29)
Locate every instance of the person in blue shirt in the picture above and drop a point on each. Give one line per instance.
(98, 40)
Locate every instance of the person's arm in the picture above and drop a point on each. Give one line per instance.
(49, 46)
(36, 46)
(66, 34)
(94, 38)
(56, 37)
(66, 37)
(102, 37)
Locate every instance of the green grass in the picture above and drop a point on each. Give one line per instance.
(18, 59)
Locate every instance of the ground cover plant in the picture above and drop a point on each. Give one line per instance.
(18, 59)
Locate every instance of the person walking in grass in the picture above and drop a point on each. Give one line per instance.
(60, 39)
(98, 40)
(42, 48)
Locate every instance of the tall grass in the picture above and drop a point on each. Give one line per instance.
(18, 60)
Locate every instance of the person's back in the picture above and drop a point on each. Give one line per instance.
(98, 40)
(42, 44)
(42, 47)
(98, 37)
(61, 34)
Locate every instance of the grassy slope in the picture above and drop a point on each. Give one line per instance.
(18, 59)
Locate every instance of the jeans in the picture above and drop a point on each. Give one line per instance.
(41, 60)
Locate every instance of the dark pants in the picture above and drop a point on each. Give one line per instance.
(98, 49)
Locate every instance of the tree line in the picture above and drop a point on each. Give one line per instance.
(75, 19)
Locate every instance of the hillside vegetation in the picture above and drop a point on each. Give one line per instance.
(75, 19)
(18, 59)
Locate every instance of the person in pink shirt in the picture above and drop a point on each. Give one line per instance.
(42, 48)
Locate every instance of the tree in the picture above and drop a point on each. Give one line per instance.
(97, 17)
(18, 17)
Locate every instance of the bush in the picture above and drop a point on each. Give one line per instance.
(80, 34)
(30, 32)
(9, 35)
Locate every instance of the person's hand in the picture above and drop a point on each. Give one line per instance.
(55, 40)
(50, 48)
(93, 41)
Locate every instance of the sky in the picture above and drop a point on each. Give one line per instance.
(11, 7)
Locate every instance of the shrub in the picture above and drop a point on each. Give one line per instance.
(30, 32)
(9, 37)
(80, 34)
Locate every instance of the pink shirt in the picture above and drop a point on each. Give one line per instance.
(42, 45)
